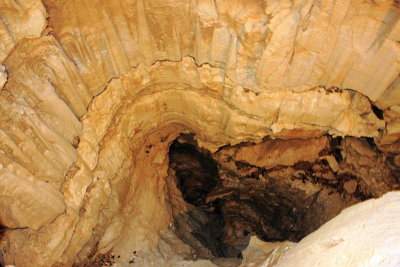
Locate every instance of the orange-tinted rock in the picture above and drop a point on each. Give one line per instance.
(271, 153)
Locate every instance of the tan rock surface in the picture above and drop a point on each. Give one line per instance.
(91, 104)
(258, 251)
(19, 20)
(277, 152)
(272, 45)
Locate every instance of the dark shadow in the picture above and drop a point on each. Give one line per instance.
(229, 209)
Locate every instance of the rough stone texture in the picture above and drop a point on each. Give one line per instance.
(19, 19)
(261, 45)
(92, 103)
(264, 254)
(362, 235)
(273, 153)
(391, 139)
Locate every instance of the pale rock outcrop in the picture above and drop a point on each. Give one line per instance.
(34, 160)
(265, 254)
(3, 76)
(362, 235)
(19, 20)
(41, 75)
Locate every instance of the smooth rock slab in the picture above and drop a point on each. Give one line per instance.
(367, 234)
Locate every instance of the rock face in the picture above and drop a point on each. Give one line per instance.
(340, 243)
(304, 95)
(343, 241)
(20, 20)
(233, 193)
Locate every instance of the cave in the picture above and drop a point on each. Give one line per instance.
(199, 133)
(231, 199)
(227, 212)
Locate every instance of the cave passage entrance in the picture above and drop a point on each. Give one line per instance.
(227, 207)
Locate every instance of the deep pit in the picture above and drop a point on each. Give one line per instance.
(231, 199)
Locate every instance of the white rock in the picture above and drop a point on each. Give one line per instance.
(367, 234)
(3, 76)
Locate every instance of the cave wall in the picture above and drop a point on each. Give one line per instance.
(90, 90)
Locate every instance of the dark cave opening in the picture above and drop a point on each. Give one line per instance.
(230, 199)
(228, 208)
(197, 173)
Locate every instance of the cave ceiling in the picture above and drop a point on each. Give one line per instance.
(93, 94)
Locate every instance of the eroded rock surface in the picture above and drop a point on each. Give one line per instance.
(93, 94)
(345, 243)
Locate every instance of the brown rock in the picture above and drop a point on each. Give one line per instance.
(273, 153)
